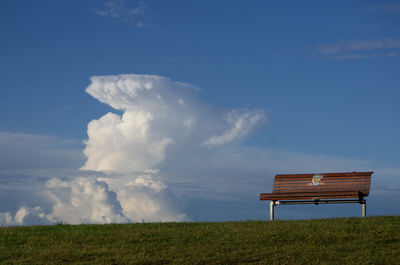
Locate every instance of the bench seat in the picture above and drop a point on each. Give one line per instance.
(334, 194)
(347, 187)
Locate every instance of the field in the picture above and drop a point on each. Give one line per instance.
(372, 240)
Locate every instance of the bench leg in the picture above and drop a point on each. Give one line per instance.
(364, 209)
(271, 210)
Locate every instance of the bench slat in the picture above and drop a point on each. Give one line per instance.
(319, 185)
(310, 189)
(325, 183)
(285, 198)
(344, 174)
(326, 178)
(310, 195)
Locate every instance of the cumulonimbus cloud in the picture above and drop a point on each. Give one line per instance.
(157, 113)
(154, 118)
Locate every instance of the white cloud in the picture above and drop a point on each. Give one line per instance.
(146, 198)
(123, 143)
(84, 200)
(157, 114)
(356, 56)
(393, 8)
(119, 199)
(73, 201)
(6, 218)
(159, 118)
(118, 9)
(113, 200)
(242, 121)
(353, 50)
(354, 46)
(26, 216)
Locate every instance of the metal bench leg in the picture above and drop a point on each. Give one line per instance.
(271, 210)
(364, 208)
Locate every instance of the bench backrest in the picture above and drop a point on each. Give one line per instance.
(323, 182)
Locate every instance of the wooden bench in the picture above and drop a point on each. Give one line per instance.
(348, 187)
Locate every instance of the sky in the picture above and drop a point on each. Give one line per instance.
(146, 111)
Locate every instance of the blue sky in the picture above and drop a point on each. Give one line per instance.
(326, 75)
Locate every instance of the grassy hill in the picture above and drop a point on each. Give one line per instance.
(372, 240)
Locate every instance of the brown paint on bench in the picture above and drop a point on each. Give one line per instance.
(330, 187)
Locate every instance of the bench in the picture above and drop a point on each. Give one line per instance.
(319, 188)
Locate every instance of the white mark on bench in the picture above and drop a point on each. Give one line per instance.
(316, 180)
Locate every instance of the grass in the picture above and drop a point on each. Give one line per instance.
(372, 240)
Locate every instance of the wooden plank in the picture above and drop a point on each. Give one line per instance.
(315, 190)
(324, 178)
(287, 197)
(300, 194)
(322, 174)
(332, 173)
(344, 174)
(309, 195)
(330, 186)
(289, 183)
(321, 186)
(326, 184)
(327, 174)
(321, 180)
(320, 191)
(276, 198)
(330, 178)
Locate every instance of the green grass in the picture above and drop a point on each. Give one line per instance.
(372, 240)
